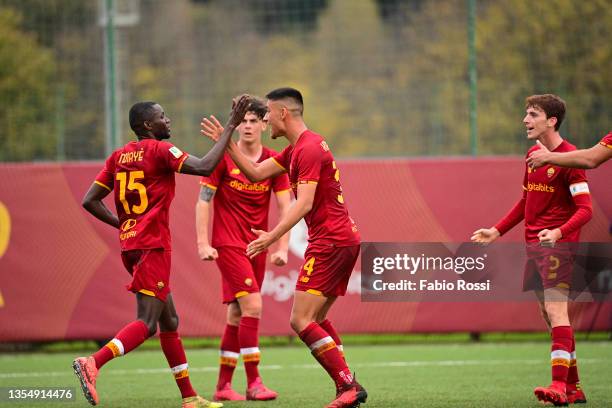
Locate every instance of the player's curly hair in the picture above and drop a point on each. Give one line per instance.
(551, 104)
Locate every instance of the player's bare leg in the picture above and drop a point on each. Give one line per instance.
(307, 309)
(250, 306)
(555, 305)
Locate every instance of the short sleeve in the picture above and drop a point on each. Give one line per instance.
(283, 158)
(106, 177)
(215, 178)
(280, 183)
(607, 141)
(308, 162)
(171, 157)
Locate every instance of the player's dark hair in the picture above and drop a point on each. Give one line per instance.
(140, 112)
(551, 104)
(287, 93)
(257, 107)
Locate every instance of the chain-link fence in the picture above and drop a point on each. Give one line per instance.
(379, 77)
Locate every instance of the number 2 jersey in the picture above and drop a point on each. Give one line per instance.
(311, 161)
(141, 173)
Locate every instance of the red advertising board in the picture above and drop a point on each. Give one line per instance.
(61, 276)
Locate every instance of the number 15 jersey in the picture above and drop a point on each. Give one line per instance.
(141, 173)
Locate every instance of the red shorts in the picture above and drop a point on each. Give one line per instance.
(150, 270)
(327, 270)
(239, 274)
(548, 268)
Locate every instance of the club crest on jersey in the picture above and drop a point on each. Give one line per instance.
(235, 171)
(160, 285)
(550, 172)
(128, 224)
(324, 146)
(176, 152)
(248, 281)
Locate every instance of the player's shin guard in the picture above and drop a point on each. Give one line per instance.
(324, 350)
(172, 347)
(228, 355)
(128, 338)
(248, 336)
(560, 355)
(331, 330)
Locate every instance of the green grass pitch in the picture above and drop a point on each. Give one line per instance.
(414, 375)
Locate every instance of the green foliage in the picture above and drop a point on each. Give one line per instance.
(380, 77)
(26, 92)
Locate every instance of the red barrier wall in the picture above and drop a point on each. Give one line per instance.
(61, 276)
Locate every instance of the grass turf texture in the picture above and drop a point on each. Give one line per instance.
(437, 375)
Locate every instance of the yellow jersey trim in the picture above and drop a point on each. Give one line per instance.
(278, 164)
(208, 185)
(147, 292)
(181, 163)
(103, 185)
(314, 292)
(241, 294)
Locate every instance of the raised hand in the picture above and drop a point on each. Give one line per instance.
(239, 109)
(211, 128)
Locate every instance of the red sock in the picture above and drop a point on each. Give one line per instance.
(175, 354)
(229, 353)
(331, 330)
(128, 338)
(560, 355)
(324, 349)
(248, 335)
(572, 373)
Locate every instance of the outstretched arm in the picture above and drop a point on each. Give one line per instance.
(93, 203)
(253, 171)
(582, 159)
(204, 166)
(280, 257)
(297, 210)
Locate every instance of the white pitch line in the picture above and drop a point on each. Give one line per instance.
(433, 363)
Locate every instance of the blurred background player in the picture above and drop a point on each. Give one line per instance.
(240, 205)
(142, 175)
(333, 241)
(581, 159)
(555, 204)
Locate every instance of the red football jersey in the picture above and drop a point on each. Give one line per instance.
(142, 175)
(311, 161)
(549, 198)
(240, 205)
(607, 141)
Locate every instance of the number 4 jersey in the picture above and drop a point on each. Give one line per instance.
(142, 175)
(311, 161)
